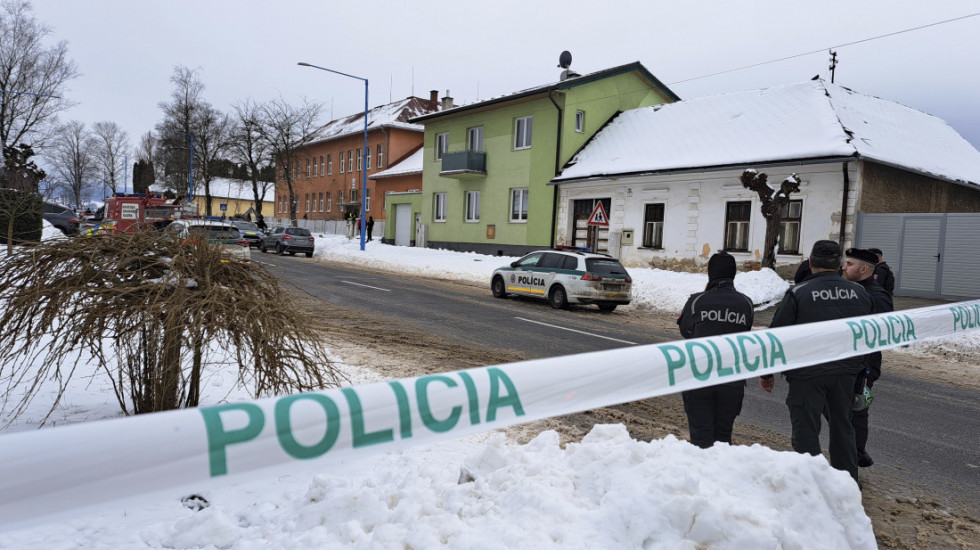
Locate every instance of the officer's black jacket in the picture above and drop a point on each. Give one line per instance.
(718, 310)
(883, 304)
(884, 276)
(822, 297)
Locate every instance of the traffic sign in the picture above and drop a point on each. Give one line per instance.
(598, 216)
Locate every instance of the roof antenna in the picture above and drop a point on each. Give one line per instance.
(833, 64)
(564, 62)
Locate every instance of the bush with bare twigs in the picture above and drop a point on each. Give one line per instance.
(152, 313)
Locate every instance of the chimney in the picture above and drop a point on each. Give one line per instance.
(433, 100)
(447, 102)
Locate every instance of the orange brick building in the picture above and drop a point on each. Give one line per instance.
(330, 171)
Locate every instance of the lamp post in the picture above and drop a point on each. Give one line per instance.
(190, 169)
(364, 151)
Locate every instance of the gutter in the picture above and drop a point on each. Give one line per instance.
(554, 191)
(843, 206)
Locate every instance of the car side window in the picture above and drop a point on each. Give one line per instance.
(570, 263)
(530, 260)
(555, 261)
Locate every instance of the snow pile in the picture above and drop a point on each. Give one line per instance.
(652, 288)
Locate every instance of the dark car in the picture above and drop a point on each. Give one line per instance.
(250, 231)
(289, 239)
(62, 217)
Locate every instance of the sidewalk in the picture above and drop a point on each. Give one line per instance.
(763, 318)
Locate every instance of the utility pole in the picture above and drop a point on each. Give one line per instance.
(833, 64)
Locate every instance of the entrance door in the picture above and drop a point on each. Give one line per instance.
(403, 224)
(596, 239)
(921, 264)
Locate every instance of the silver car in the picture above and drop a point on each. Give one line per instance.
(566, 277)
(289, 239)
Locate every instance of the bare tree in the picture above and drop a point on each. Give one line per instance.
(773, 202)
(110, 152)
(32, 77)
(171, 309)
(249, 148)
(20, 203)
(286, 128)
(212, 130)
(73, 160)
(174, 132)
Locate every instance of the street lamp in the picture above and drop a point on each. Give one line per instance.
(364, 151)
(190, 170)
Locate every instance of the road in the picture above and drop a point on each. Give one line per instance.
(921, 431)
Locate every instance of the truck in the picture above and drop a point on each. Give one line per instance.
(132, 212)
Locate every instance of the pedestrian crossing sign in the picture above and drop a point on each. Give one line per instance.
(598, 216)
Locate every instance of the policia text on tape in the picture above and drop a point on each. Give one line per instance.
(57, 470)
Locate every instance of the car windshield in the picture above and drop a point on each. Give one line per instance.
(246, 226)
(299, 231)
(604, 265)
(214, 232)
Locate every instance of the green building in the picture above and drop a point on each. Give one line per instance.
(487, 165)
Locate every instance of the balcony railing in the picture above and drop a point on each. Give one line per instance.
(464, 164)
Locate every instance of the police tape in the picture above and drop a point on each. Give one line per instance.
(54, 471)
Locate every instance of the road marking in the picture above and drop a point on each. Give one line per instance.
(367, 286)
(578, 331)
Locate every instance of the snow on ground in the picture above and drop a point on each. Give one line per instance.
(608, 491)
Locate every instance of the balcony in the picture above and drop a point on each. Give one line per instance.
(464, 165)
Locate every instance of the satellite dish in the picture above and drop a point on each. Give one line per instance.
(565, 59)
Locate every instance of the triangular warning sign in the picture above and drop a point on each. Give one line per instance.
(598, 216)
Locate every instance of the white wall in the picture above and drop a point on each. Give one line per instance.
(694, 213)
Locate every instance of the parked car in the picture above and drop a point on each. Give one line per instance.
(566, 277)
(250, 231)
(62, 217)
(223, 234)
(289, 239)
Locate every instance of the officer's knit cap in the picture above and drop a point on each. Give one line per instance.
(825, 249)
(721, 266)
(863, 255)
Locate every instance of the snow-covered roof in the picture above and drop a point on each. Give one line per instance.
(412, 164)
(806, 121)
(227, 188)
(390, 115)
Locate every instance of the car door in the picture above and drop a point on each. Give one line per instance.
(272, 238)
(548, 269)
(522, 278)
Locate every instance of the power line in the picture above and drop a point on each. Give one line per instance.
(828, 48)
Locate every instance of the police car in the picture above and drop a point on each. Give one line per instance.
(566, 277)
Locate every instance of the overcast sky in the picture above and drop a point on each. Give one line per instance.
(126, 50)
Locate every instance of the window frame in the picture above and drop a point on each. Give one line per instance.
(381, 157)
(367, 158)
(798, 220)
(367, 199)
(342, 163)
(650, 226)
(580, 121)
(360, 158)
(329, 202)
(441, 145)
(523, 136)
(470, 133)
(524, 194)
(742, 226)
(350, 161)
(471, 213)
(329, 164)
(439, 207)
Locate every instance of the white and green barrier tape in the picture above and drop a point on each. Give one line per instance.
(57, 470)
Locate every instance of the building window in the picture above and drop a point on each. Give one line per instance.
(518, 205)
(321, 201)
(653, 226)
(472, 206)
(439, 207)
(329, 202)
(307, 167)
(789, 227)
(353, 195)
(322, 165)
(442, 144)
(737, 216)
(367, 198)
(350, 160)
(340, 197)
(522, 132)
(329, 165)
(307, 202)
(358, 159)
(474, 139)
(367, 159)
(381, 158)
(296, 169)
(580, 121)
(341, 162)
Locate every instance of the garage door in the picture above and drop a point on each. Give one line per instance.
(403, 224)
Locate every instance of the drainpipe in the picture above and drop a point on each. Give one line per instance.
(554, 191)
(843, 207)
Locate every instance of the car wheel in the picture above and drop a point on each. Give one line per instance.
(558, 298)
(262, 248)
(309, 254)
(606, 308)
(279, 249)
(498, 287)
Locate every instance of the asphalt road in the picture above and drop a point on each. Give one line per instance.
(921, 431)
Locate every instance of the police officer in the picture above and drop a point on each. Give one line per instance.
(860, 268)
(824, 296)
(720, 309)
(883, 273)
